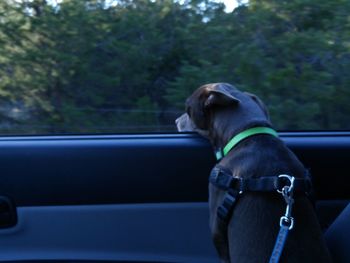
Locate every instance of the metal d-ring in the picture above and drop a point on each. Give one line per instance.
(289, 187)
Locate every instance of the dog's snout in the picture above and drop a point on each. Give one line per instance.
(177, 121)
(184, 124)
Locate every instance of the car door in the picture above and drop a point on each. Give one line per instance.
(140, 198)
(105, 198)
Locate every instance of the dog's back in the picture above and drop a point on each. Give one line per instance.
(253, 227)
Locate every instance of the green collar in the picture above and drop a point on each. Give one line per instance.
(241, 136)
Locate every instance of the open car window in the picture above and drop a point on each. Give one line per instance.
(99, 66)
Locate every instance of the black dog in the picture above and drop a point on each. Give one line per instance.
(219, 112)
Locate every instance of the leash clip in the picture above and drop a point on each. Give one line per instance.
(287, 192)
(286, 221)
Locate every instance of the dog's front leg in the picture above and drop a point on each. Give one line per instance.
(218, 227)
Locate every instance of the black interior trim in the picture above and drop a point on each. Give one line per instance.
(88, 261)
(104, 169)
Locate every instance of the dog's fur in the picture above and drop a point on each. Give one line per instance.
(218, 112)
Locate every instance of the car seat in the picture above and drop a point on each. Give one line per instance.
(338, 237)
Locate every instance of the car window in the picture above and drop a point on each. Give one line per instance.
(99, 66)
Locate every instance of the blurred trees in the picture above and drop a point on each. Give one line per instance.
(127, 66)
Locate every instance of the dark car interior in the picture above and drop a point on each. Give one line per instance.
(137, 198)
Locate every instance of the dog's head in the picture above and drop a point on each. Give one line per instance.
(218, 111)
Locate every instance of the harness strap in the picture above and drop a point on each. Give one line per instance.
(236, 186)
(225, 210)
(224, 180)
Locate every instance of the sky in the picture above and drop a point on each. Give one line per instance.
(230, 4)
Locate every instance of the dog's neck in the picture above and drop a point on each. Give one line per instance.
(228, 131)
(253, 157)
(221, 153)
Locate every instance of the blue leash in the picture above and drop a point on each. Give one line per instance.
(286, 221)
(280, 242)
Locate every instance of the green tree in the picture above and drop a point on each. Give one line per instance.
(102, 66)
(291, 53)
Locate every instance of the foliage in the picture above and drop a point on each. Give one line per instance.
(127, 66)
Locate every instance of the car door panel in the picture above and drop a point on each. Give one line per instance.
(134, 198)
(165, 232)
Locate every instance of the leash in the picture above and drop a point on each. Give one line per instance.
(286, 221)
(284, 184)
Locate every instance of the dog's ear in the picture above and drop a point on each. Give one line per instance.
(220, 97)
(260, 103)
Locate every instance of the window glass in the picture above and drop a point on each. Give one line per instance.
(104, 66)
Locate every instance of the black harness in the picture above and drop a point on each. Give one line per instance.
(236, 186)
(283, 184)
